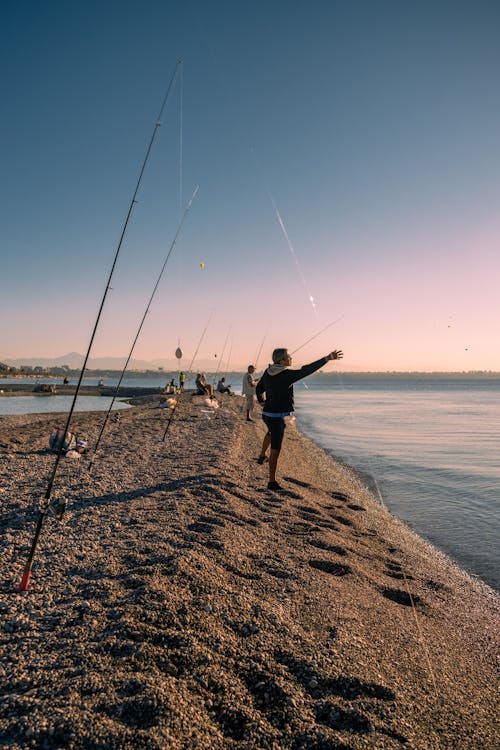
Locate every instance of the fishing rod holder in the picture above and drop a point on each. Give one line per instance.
(56, 506)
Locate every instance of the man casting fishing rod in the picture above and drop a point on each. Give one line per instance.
(277, 383)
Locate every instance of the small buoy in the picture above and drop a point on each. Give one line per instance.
(202, 265)
(178, 353)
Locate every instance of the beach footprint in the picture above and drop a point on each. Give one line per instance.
(340, 496)
(328, 566)
(320, 544)
(405, 598)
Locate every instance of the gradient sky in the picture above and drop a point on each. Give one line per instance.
(373, 126)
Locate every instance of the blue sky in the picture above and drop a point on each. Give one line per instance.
(373, 126)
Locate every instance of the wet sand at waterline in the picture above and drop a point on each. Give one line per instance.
(179, 604)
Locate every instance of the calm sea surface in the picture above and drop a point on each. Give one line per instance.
(432, 446)
(46, 404)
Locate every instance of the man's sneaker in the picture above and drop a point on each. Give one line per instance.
(261, 459)
(274, 486)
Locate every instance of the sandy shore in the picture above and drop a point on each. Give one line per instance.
(179, 604)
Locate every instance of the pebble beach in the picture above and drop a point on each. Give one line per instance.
(180, 604)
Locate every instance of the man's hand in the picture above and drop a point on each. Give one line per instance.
(337, 354)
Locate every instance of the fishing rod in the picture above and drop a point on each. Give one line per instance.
(115, 394)
(317, 334)
(45, 502)
(177, 402)
(257, 357)
(221, 358)
(226, 372)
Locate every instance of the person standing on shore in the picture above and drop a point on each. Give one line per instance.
(277, 383)
(248, 391)
(182, 380)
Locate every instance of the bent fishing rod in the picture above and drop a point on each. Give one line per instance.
(178, 400)
(45, 502)
(117, 388)
(317, 334)
(226, 371)
(257, 356)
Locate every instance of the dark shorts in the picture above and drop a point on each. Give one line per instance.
(276, 428)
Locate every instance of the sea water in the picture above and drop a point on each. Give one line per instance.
(47, 404)
(431, 447)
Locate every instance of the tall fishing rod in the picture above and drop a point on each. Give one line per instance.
(317, 334)
(45, 502)
(178, 400)
(117, 388)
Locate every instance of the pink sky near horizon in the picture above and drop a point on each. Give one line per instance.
(408, 312)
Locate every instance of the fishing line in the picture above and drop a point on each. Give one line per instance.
(181, 106)
(219, 363)
(414, 609)
(178, 400)
(283, 228)
(45, 502)
(294, 256)
(115, 394)
(381, 500)
(407, 586)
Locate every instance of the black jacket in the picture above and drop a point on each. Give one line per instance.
(279, 388)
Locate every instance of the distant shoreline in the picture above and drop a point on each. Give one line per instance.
(365, 375)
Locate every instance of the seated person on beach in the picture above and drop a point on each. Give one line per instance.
(277, 383)
(204, 389)
(170, 387)
(222, 387)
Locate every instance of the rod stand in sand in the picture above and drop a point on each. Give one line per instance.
(23, 586)
(168, 424)
(45, 507)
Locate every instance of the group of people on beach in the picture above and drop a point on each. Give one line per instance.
(274, 391)
(203, 388)
(171, 387)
